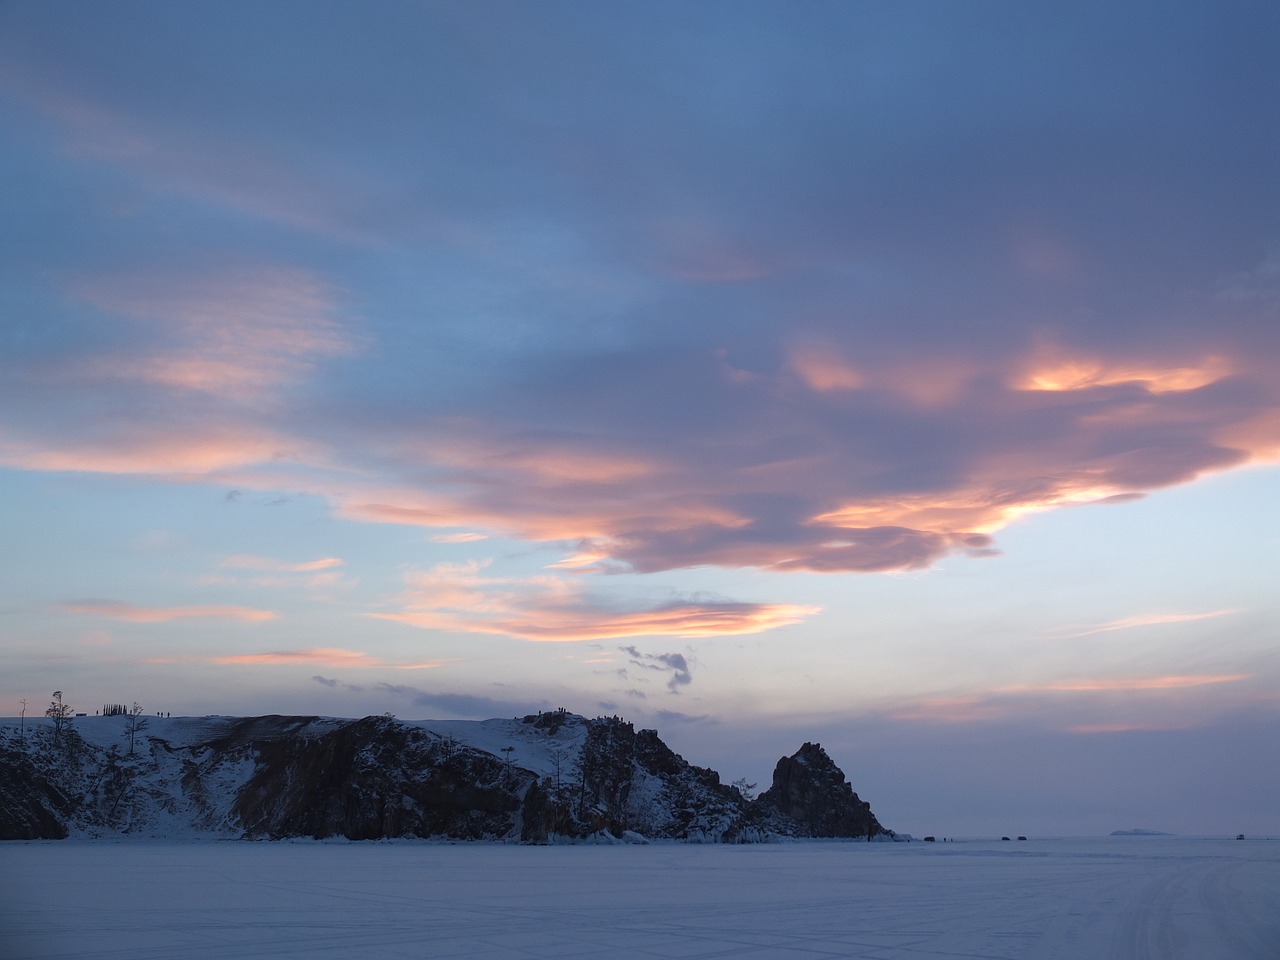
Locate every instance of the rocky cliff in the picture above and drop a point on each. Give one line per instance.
(542, 778)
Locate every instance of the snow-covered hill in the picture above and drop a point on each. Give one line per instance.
(541, 778)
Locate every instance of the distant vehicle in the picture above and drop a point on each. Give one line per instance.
(1022, 838)
(930, 839)
(1004, 838)
(1239, 836)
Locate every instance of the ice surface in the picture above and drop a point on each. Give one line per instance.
(1104, 899)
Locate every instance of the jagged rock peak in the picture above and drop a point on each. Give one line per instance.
(812, 791)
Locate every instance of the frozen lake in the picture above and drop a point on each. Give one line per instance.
(1103, 899)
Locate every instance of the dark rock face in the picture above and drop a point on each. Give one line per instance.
(811, 791)
(374, 778)
(31, 806)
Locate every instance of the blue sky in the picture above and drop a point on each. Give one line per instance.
(900, 377)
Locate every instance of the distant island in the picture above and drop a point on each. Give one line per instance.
(1139, 832)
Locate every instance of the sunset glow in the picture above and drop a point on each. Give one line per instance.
(906, 378)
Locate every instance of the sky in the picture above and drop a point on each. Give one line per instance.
(900, 377)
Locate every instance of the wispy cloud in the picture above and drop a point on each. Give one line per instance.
(459, 597)
(207, 352)
(133, 613)
(242, 561)
(1145, 620)
(322, 578)
(234, 333)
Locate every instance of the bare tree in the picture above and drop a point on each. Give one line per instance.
(747, 790)
(135, 723)
(22, 723)
(59, 713)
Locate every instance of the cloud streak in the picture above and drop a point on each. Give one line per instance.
(1147, 620)
(324, 656)
(133, 613)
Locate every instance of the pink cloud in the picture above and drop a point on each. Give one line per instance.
(132, 613)
(822, 369)
(159, 449)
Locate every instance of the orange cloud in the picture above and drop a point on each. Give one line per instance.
(1081, 373)
(131, 613)
(457, 597)
(323, 656)
(686, 620)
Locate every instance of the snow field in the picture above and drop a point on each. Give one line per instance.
(1103, 899)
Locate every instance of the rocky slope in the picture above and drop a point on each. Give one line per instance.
(542, 778)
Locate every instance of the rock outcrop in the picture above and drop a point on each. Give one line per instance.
(811, 791)
(544, 778)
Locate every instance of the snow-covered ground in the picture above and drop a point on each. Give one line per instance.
(1103, 899)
